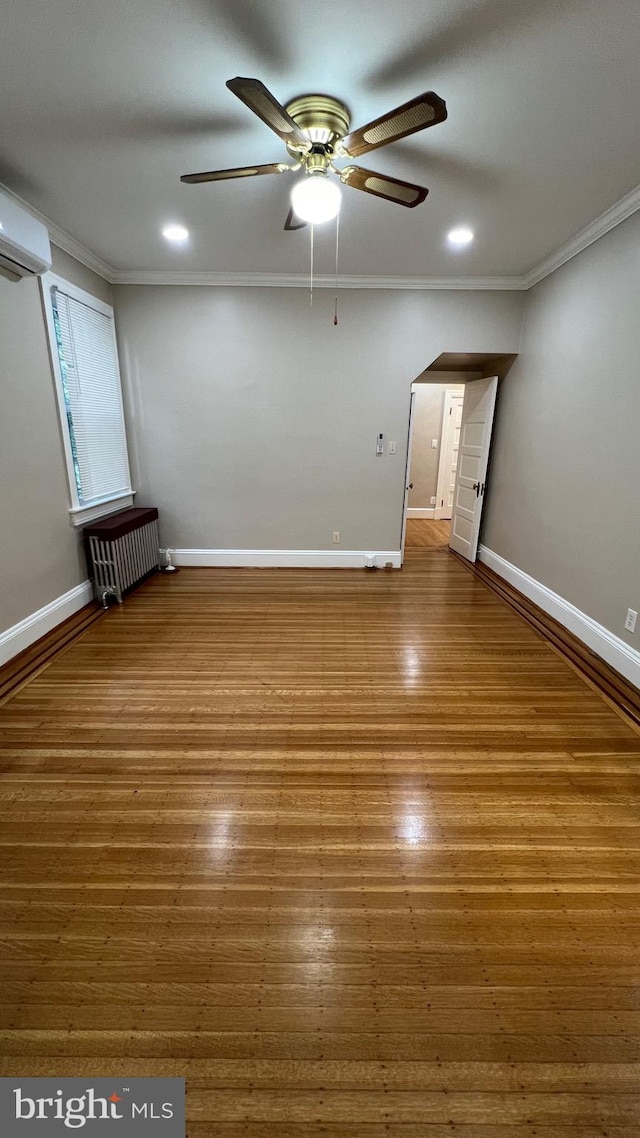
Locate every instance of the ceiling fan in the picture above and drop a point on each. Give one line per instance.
(315, 130)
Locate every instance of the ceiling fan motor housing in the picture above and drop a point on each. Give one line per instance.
(324, 120)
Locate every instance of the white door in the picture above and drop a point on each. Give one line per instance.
(473, 456)
(449, 444)
(407, 475)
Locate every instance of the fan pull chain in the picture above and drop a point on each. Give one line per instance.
(311, 280)
(335, 309)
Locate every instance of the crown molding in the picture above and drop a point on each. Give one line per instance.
(301, 280)
(597, 228)
(64, 240)
(69, 244)
(611, 217)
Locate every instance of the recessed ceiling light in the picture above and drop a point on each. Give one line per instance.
(461, 235)
(176, 233)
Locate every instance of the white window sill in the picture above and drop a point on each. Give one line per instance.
(82, 515)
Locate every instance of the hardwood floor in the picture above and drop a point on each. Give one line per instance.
(423, 533)
(356, 853)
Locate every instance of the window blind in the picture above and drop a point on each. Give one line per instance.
(93, 402)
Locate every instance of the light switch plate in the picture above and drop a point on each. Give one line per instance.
(393, 447)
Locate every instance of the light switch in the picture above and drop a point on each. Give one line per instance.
(434, 444)
(393, 447)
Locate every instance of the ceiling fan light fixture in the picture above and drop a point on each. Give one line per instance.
(316, 199)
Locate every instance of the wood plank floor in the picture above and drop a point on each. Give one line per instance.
(423, 533)
(354, 852)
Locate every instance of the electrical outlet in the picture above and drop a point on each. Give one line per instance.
(393, 447)
(630, 622)
(434, 444)
(336, 537)
(433, 500)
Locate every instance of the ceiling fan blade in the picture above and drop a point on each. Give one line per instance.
(258, 99)
(423, 111)
(238, 172)
(383, 186)
(293, 221)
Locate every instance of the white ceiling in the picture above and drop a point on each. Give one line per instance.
(104, 105)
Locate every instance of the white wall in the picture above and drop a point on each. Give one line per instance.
(40, 553)
(255, 419)
(564, 482)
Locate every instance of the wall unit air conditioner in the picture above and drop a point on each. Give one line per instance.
(24, 241)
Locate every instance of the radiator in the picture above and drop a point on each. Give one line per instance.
(122, 551)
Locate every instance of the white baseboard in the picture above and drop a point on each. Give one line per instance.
(418, 512)
(285, 558)
(611, 648)
(22, 635)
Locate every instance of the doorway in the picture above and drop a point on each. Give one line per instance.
(427, 534)
(436, 410)
(452, 371)
(462, 446)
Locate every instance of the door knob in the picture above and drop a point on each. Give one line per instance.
(410, 486)
(476, 487)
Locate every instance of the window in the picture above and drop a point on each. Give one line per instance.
(85, 365)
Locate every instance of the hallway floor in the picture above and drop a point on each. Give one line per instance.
(423, 533)
(356, 853)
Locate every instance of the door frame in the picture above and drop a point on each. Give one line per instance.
(446, 419)
(407, 475)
